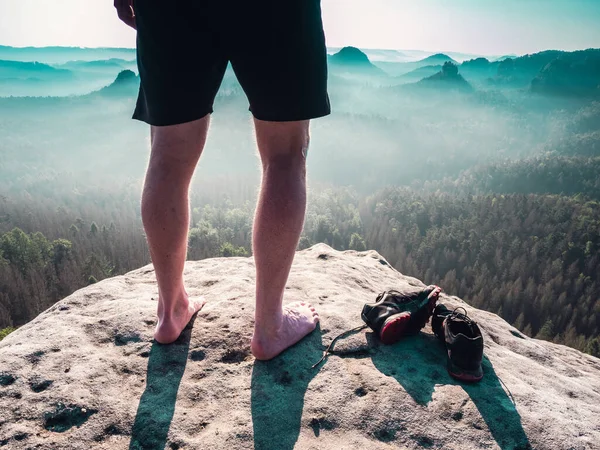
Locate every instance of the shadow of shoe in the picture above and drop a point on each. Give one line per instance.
(166, 365)
(418, 364)
(278, 387)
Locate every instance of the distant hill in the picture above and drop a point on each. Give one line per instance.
(552, 72)
(438, 58)
(397, 69)
(479, 69)
(350, 56)
(35, 79)
(377, 56)
(447, 78)
(570, 74)
(477, 63)
(62, 55)
(461, 57)
(384, 55)
(125, 85)
(112, 65)
(352, 60)
(502, 58)
(420, 73)
(26, 70)
(518, 72)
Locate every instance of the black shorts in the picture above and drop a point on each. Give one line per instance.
(276, 48)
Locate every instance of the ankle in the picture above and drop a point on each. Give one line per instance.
(178, 304)
(269, 327)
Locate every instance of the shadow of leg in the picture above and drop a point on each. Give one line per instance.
(497, 410)
(418, 364)
(278, 388)
(166, 365)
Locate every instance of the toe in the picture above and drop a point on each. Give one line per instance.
(198, 304)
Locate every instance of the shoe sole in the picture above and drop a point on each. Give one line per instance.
(394, 328)
(400, 325)
(467, 376)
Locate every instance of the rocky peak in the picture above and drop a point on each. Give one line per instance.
(86, 373)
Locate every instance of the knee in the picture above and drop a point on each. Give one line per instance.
(286, 154)
(283, 144)
(289, 163)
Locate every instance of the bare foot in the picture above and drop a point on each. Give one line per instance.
(299, 320)
(169, 328)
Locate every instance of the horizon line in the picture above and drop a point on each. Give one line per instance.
(328, 47)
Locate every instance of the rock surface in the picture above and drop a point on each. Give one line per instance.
(86, 374)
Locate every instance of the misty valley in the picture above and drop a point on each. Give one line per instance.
(478, 174)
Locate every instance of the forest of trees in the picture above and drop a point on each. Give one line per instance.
(549, 174)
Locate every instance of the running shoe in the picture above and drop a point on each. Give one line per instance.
(395, 315)
(463, 340)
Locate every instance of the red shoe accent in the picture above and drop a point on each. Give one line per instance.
(394, 328)
(465, 377)
(468, 376)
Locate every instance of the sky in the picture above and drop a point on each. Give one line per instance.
(485, 27)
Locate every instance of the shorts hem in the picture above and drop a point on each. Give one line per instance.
(165, 122)
(291, 117)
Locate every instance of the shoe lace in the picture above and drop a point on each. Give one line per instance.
(455, 314)
(329, 349)
(458, 315)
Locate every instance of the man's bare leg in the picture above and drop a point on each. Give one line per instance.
(277, 226)
(165, 214)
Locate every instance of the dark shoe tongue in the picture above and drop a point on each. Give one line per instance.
(465, 326)
(472, 325)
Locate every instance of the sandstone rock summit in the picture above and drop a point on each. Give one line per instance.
(85, 374)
